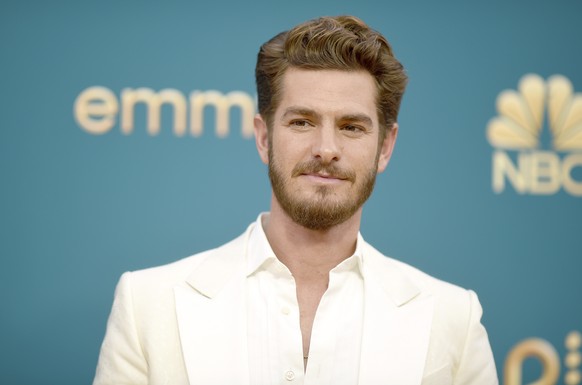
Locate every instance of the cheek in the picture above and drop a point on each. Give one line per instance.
(366, 159)
(287, 152)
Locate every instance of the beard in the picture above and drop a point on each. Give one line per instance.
(324, 210)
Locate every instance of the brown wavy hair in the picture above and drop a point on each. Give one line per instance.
(338, 43)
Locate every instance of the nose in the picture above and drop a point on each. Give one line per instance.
(326, 145)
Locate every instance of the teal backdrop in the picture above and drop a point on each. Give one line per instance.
(79, 208)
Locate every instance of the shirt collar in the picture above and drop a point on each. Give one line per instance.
(260, 254)
(259, 249)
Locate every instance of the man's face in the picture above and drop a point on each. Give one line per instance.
(324, 150)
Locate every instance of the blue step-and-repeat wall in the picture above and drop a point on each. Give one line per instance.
(126, 142)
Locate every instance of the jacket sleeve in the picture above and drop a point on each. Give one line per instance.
(121, 360)
(477, 366)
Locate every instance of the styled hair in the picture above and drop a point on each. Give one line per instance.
(331, 43)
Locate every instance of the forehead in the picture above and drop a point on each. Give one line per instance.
(329, 92)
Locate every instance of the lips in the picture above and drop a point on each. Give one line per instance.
(325, 176)
(316, 169)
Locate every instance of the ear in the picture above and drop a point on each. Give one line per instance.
(261, 138)
(387, 147)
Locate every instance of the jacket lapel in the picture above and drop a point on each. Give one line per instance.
(212, 318)
(397, 322)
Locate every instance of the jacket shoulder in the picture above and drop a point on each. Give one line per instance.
(177, 272)
(425, 282)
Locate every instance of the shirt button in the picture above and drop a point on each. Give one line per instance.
(285, 310)
(289, 375)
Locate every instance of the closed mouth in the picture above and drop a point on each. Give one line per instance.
(325, 176)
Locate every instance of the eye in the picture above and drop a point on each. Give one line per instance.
(353, 128)
(302, 123)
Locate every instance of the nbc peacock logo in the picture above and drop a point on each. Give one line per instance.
(519, 157)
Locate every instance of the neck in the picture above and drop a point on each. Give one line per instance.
(310, 254)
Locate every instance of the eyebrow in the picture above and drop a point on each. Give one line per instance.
(303, 111)
(361, 118)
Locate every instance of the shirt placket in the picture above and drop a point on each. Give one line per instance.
(284, 313)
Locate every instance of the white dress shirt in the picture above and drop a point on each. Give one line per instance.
(274, 334)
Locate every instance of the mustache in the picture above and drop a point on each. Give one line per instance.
(315, 166)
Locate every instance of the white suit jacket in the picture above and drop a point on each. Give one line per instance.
(185, 324)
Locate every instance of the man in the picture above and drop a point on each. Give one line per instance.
(300, 297)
